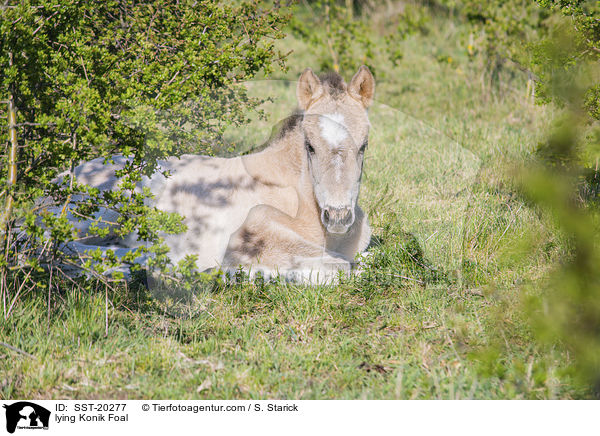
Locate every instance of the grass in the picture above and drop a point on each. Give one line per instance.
(276, 342)
(446, 322)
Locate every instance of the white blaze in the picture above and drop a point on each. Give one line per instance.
(333, 129)
(337, 165)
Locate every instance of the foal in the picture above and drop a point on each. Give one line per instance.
(319, 154)
(291, 209)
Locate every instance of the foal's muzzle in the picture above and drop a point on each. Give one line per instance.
(337, 219)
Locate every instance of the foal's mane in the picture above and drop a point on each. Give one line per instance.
(333, 83)
(285, 126)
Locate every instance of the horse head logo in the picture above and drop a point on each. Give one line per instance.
(27, 414)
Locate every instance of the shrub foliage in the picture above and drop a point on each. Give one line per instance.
(94, 79)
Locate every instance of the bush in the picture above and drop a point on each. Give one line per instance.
(94, 79)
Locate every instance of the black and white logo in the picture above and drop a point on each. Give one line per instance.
(26, 415)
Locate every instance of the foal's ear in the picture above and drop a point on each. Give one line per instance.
(309, 89)
(362, 86)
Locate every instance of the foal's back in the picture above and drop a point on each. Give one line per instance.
(214, 195)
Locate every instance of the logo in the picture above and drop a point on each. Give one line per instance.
(26, 415)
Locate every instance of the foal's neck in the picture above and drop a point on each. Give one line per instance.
(283, 163)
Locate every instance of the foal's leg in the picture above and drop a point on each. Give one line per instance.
(282, 244)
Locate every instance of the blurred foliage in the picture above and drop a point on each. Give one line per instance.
(568, 310)
(557, 44)
(349, 38)
(498, 31)
(94, 79)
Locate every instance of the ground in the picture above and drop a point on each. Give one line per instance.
(443, 319)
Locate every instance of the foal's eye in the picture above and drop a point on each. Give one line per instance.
(363, 147)
(309, 147)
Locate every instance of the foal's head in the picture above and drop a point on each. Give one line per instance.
(336, 131)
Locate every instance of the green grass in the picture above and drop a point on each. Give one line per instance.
(277, 342)
(446, 217)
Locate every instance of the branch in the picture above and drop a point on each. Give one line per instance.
(18, 350)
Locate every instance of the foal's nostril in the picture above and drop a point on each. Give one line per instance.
(337, 216)
(346, 217)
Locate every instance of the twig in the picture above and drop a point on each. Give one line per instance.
(84, 70)
(105, 311)
(398, 276)
(336, 65)
(50, 293)
(431, 236)
(18, 350)
(14, 300)
(69, 278)
(27, 123)
(12, 161)
(44, 22)
(590, 43)
(170, 81)
(72, 175)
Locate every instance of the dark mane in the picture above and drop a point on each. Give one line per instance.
(280, 130)
(287, 125)
(333, 83)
